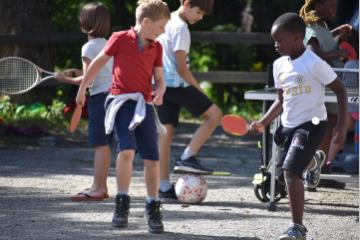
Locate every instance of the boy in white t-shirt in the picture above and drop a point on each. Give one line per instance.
(300, 77)
(182, 90)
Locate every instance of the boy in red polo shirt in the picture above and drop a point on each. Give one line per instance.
(137, 59)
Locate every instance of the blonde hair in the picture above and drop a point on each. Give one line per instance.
(94, 19)
(152, 9)
(308, 12)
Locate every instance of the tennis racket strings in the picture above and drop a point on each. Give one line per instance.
(17, 75)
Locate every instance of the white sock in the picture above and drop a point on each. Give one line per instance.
(151, 199)
(165, 185)
(187, 153)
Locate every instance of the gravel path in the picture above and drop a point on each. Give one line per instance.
(36, 181)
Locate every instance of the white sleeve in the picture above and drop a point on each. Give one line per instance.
(88, 51)
(276, 75)
(323, 72)
(181, 40)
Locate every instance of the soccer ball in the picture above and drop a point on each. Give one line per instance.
(191, 188)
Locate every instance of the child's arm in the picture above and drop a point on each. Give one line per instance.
(70, 76)
(183, 69)
(343, 30)
(159, 86)
(90, 74)
(339, 131)
(314, 46)
(270, 115)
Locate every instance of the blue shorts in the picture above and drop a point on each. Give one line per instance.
(143, 138)
(96, 127)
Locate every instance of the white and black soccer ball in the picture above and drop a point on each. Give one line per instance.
(191, 188)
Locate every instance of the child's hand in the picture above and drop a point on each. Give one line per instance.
(345, 30)
(343, 54)
(80, 98)
(73, 72)
(158, 99)
(339, 133)
(256, 127)
(61, 77)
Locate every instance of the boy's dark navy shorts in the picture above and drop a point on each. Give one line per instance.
(297, 146)
(143, 138)
(189, 97)
(96, 127)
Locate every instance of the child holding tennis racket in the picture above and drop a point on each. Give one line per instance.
(137, 60)
(95, 22)
(182, 90)
(300, 77)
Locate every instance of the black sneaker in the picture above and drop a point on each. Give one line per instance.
(122, 205)
(154, 217)
(190, 165)
(169, 193)
(295, 231)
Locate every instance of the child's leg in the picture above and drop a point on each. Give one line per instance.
(147, 142)
(102, 159)
(295, 188)
(298, 147)
(124, 170)
(165, 141)
(102, 156)
(212, 119)
(152, 180)
(336, 147)
(325, 144)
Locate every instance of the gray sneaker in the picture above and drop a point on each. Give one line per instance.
(312, 177)
(190, 165)
(295, 231)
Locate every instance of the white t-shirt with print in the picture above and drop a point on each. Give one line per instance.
(176, 37)
(102, 81)
(303, 83)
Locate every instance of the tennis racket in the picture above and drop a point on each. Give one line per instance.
(235, 125)
(75, 118)
(18, 75)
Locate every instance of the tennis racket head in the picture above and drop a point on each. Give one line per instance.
(235, 125)
(347, 46)
(75, 119)
(17, 75)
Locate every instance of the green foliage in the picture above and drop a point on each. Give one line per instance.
(204, 56)
(36, 113)
(64, 17)
(229, 97)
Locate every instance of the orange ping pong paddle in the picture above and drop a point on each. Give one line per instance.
(75, 119)
(347, 46)
(234, 124)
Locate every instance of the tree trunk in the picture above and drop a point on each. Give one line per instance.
(26, 17)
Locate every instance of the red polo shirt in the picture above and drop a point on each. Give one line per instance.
(133, 69)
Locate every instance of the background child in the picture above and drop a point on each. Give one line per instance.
(94, 20)
(325, 43)
(319, 38)
(137, 58)
(300, 77)
(182, 90)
